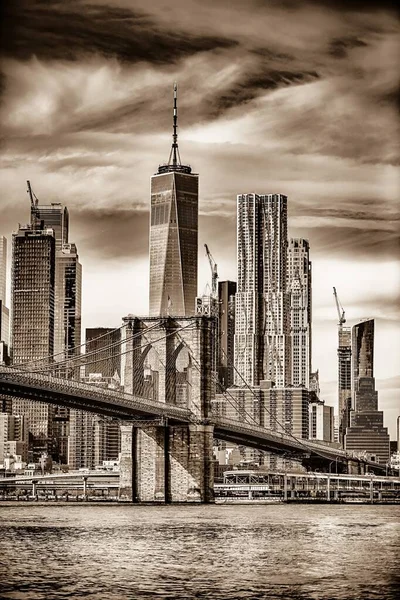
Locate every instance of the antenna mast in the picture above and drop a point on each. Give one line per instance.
(174, 154)
(175, 127)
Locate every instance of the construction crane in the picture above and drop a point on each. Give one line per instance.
(32, 195)
(340, 309)
(214, 273)
(34, 206)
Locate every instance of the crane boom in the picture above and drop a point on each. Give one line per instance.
(32, 195)
(340, 309)
(214, 272)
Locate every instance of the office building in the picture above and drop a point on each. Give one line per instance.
(398, 433)
(366, 433)
(13, 430)
(68, 294)
(103, 349)
(67, 304)
(299, 288)
(321, 426)
(344, 379)
(94, 438)
(32, 322)
(4, 312)
(174, 235)
(285, 410)
(226, 332)
(53, 216)
(32, 295)
(262, 328)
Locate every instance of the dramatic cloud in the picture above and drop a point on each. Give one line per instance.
(278, 96)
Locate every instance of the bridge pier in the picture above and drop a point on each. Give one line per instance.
(167, 464)
(126, 493)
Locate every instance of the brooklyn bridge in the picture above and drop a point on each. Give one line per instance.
(167, 400)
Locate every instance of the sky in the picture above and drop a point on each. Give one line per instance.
(290, 97)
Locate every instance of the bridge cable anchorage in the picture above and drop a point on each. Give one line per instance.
(289, 434)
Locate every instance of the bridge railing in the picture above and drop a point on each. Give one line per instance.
(268, 434)
(94, 392)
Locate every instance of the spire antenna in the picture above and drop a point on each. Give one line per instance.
(174, 161)
(174, 154)
(175, 127)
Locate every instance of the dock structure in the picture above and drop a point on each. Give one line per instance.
(308, 487)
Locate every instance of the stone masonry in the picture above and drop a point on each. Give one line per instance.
(172, 462)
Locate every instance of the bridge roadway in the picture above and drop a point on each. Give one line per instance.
(86, 396)
(117, 404)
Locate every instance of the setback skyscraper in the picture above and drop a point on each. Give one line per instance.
(174, 235)
(366, 432)
(262, 340)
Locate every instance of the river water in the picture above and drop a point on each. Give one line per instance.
(228, 552)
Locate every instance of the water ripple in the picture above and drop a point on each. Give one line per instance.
(199, 552)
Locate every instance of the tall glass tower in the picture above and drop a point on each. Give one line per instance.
(366, 433)
(32, 331)
(4, 312)
(173, 234)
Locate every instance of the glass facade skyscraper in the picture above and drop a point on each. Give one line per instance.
(4, 312)
(226, 332)
(174, 236)
(344, 379)
(32, 331)
(366, 433)
(54, 216)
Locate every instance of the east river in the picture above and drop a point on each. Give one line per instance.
(222, 552)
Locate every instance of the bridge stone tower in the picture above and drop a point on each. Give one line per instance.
(169, 360)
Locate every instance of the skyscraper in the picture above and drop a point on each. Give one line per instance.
(4, 312)
(104, 343)
(344, 379)
(68, 294)
(94, 438)
(173, 234)
(67, 301)
(366, 432)
(299, 288)
(32, 310)
(226, 332)
(54, 216)
(262, 340)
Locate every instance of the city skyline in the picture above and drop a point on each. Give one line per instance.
(253, 111)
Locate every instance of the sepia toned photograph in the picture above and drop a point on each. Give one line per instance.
(199, 300)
